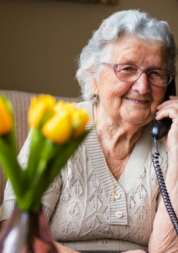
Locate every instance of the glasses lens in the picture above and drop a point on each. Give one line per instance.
(159, 77)
(127, 72)
(131, 73)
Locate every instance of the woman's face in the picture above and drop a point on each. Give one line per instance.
(135, 102)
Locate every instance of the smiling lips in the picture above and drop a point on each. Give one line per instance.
(143, 102)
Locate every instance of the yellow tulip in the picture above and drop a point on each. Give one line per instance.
(39, 106)
(80, 119)
(67, 122)
(6, 120)
(58, 128)
(60, 105)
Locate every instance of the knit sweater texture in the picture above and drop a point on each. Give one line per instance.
(78, 204)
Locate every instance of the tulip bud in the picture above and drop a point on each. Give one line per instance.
(38, 108)
(80, 119)
(6, 120)
(58, 128)
(60, 104)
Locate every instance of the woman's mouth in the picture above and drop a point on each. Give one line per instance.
(137, 101)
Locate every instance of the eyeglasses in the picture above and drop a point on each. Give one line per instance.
(131, 73)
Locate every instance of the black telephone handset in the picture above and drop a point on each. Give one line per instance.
(159, 130)
(162, 126)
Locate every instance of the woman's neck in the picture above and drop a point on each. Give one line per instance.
(117, 139)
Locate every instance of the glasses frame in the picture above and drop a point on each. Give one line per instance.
(115, 66)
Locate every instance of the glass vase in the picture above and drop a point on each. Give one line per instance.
(26, 232)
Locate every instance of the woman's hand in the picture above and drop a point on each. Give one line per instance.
(63, 249)
(43, 248)
(169, 109)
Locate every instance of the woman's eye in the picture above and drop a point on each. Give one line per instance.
(155, 73)
(158, 75)
(128, 69)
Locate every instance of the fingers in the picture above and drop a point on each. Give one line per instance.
(168, 109)
(173, 114)
(173, 97)
(171, 100)
(171, 104)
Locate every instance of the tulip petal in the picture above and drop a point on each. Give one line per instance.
(6, 120)
(38, 109)
(58, 128)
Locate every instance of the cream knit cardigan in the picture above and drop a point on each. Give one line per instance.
(78, 206)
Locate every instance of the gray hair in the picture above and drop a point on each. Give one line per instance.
(121, 23)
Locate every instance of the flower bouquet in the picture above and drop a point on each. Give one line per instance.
(57, 131)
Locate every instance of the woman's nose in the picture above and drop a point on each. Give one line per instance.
(142, 85)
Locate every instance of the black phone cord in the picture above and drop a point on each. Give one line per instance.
(162, 186)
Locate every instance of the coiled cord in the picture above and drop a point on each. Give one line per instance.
(162, 186)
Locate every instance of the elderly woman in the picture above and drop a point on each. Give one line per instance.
(107, 196)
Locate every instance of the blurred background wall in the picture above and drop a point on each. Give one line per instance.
(41, 40)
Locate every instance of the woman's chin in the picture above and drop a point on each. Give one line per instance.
(139, 120)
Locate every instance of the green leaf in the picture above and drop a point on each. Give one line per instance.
(12, 170)
(47, 115)
(48, 152)
(37, 143)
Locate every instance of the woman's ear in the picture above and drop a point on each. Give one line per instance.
(93, 82)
